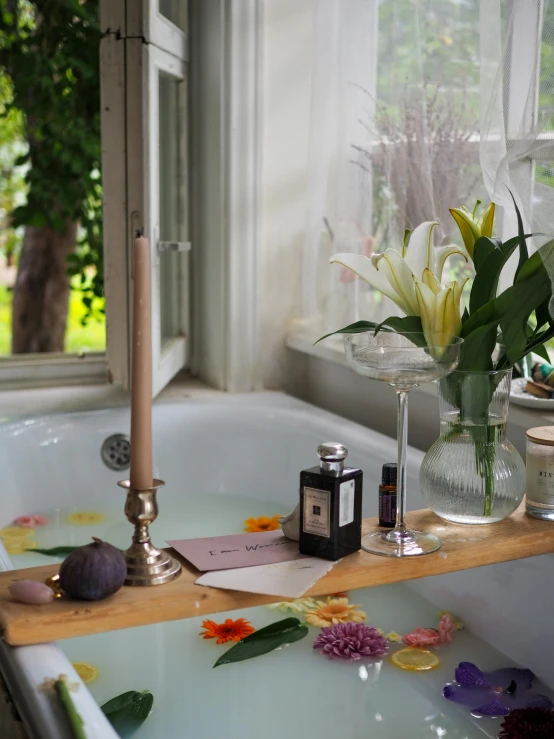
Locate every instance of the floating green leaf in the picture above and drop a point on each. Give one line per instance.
(73, 716)
(128, 711)
(265, 640)
(55, 551)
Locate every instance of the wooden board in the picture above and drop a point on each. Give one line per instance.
(464, 547)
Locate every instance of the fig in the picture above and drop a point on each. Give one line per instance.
(93, 572)
(31, 591)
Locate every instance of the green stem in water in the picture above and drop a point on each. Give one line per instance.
(73, 716)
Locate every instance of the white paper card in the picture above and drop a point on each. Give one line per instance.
(286, 579)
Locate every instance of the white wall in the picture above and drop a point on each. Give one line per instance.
(287, 60)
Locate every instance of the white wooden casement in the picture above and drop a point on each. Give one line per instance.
(144, 128)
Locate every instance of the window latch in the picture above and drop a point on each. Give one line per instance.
(173, 245)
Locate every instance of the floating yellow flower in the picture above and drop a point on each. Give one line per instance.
(85, 518)
(262, 523)
(18, 546)
(86, 672)
(300, 605)
(16, 532)
(334, 611)
(393, 637)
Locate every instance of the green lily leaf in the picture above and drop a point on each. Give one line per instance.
(73, 716)
(542, 352)
(533, 265)
(265, 640)
(354, 328)
(484, 247)
(493, 257)
(406, 325)
(478, 347)
(523, 251)
(517, 307)
(542, 314)
(400, 325)
(128, 711)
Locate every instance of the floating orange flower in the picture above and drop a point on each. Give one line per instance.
(334, 611)
(263, 523)
(228, 631)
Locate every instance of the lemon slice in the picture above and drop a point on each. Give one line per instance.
(413, 658)
(85, 518)
(87, 673)
(16, 532)
(18, 546)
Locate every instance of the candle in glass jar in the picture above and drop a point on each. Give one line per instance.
(141, 370)
(540, 473)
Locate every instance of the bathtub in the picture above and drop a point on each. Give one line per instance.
(252, 446)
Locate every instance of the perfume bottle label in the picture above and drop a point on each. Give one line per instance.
(540, 479)
(317, 519)
(346, 514)
(387, 507)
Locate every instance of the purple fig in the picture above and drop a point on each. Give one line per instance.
(93, 572)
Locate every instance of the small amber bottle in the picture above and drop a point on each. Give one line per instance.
(387, 496)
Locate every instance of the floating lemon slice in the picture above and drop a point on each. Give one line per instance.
(18, 546)
(16, 532)
(85, 518)
(413, 658)
(87, 673)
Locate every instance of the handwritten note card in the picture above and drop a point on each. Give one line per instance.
(237, 550)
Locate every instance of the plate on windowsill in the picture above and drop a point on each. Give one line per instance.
(518, 396)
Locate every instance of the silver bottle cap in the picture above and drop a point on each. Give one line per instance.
(332, 456)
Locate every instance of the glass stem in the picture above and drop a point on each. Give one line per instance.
(402, 436)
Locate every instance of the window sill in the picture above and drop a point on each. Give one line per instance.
(332, 350)
(26, 371)
(38, 401)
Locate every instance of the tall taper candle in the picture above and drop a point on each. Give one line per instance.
(141, 371)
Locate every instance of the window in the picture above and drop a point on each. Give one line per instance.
(145, 135)
(127, 80)
(50, 196)
(418, 107)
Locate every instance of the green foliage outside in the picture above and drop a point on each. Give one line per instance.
(79, 337)
(50, 146)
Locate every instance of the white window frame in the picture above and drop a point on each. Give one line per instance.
(132, 61)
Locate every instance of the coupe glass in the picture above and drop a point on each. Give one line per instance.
(396, 359)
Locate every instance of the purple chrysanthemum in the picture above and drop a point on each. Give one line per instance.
(350, 641)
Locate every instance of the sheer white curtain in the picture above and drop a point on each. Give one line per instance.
(419, 106)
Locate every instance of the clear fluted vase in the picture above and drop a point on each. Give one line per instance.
(472, 474)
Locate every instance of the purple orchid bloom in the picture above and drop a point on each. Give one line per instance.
(494, 693)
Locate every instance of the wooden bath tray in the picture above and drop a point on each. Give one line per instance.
(464, 547)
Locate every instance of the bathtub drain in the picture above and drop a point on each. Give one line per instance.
(116, 452)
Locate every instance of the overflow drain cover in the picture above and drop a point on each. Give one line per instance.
(116, 452)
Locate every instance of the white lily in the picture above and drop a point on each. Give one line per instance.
(413, 281)
(439, 308)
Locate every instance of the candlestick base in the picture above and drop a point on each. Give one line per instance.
(146, 565)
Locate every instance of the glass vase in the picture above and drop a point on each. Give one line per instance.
(472, 474)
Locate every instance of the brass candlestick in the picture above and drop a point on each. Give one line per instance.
(146, 565)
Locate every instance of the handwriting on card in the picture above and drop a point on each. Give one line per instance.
(237, 550)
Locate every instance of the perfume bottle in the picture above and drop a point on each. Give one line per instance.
(387, 496)
(330, 506)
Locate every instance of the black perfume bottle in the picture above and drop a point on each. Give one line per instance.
(330, 506)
